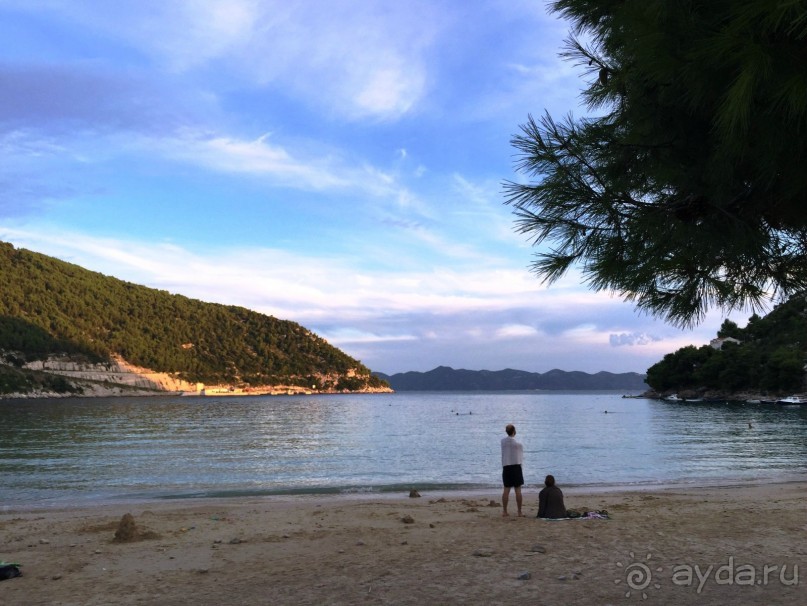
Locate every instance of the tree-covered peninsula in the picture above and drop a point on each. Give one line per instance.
(53, 310)
(766, 357)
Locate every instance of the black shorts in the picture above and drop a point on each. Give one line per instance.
(512, 476)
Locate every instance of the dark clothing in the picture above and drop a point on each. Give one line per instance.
(512, 476)
(550, 503)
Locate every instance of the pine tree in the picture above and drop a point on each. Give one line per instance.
(688, 191)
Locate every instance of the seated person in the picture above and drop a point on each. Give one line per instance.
(550, 500)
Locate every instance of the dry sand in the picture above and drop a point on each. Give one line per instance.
(694, 545)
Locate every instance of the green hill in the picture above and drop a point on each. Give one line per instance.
(767, 357)
(51, 308)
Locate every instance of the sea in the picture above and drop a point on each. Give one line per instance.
(77, 452)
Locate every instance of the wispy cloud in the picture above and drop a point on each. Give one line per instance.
(258, 157)
(342, 337)
(378, 70)
(477, 310)
(27, 151)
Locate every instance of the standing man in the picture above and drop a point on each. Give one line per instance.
(512, 477)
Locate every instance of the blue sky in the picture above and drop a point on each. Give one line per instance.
(338, 163)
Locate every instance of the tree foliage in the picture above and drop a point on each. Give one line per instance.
(688, 190)
(770, 357)
(50, 307)
(15, 380)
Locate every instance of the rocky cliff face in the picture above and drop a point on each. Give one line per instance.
(118, 372)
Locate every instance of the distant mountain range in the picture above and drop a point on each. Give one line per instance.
(444, 378)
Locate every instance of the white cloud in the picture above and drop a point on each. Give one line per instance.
(584, 334)
(516, 331)
(631, 339)
(388, 92)
(353, 337)
(257, 157)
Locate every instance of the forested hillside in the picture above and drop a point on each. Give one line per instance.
(49, 307)
(767, 356)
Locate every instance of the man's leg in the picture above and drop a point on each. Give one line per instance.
(505, 499)
(518, 500)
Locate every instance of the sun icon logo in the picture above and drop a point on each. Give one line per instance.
(638, 576)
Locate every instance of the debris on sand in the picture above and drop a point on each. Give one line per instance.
(127, 529)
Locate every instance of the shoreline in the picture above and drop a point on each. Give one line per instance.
(395, 492)
(439, 548)
(122, 391)
(118, 378)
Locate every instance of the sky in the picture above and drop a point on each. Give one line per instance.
(336, 163)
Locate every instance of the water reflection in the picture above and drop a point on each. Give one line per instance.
(57, 450)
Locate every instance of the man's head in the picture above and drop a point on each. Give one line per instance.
(510, 429)
(549, 480)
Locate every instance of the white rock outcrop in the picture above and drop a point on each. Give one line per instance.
(118, 372)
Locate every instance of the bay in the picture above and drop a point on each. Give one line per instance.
(63, 452)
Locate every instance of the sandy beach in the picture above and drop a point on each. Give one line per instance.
(692, 545)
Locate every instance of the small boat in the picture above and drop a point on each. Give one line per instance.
(792, 400)
(676, 398)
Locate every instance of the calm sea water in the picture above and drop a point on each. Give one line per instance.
(75, 451)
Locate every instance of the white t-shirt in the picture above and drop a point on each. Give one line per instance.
(512, 451)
